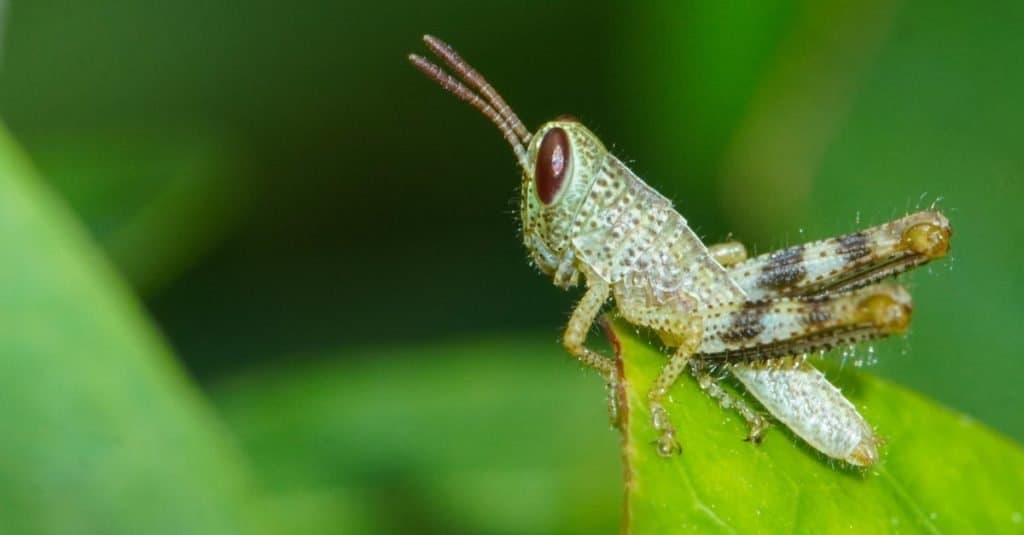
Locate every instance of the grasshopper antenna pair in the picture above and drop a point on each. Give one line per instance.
(486, 99)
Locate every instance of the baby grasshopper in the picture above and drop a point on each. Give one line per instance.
(586, 216)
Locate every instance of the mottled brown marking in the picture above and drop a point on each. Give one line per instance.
(784, 268)
(816, 314)
(853, 246)
(746, 324)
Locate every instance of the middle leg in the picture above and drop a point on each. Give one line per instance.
(756, 423)
(675, 320)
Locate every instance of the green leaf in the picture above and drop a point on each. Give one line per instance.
(940, 471)
(102, 431)
(156, 199)
(495, 435)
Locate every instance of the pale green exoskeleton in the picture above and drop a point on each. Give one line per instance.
(588, 219)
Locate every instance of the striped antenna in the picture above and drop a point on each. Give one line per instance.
(490, 104)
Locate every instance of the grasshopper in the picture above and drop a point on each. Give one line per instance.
(586, 217)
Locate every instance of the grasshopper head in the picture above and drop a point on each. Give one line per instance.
(558, 162)
(563, 160)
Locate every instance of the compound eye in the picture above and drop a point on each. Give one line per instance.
(552, 164)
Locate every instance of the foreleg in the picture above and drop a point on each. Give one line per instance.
(582, 318)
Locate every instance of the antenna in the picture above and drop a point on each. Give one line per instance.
(490, 103)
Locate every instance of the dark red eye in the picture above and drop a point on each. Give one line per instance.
(552, 162)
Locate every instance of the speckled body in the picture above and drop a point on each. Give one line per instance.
(587, 218)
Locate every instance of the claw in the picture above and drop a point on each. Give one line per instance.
(668, 445)
(757, 428)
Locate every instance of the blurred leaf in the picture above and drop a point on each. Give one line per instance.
(689, 71)
(104, 434)
(155, 200)
(488, 436)
(319, 511)
(941, 472)
(796, 111)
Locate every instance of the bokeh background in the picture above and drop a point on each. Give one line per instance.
(327, 242)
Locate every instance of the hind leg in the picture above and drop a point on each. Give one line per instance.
(842, 263)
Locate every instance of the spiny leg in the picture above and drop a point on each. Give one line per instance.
(667, 443)
(679, 327)
(584, 315)
(582, 318)
(755, 331)
(616, 396)
(755, 421)
(846, 262)
(728, 254)
(857, 260)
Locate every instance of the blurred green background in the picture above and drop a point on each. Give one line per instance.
(327, 241)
